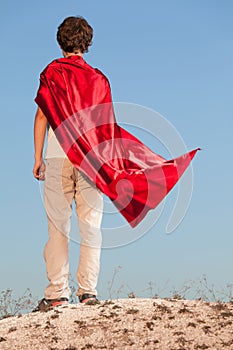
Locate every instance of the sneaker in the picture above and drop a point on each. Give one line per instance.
(88, 299)
(48, 304)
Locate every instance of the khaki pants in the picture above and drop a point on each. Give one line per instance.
(63, 184)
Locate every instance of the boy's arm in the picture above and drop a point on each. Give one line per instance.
(40, 125)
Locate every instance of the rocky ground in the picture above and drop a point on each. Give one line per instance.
(123, 324)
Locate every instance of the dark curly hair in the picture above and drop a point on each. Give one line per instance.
(74, 35)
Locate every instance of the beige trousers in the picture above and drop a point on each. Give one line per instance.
(63, 184)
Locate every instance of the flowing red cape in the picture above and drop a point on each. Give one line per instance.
(76, 100)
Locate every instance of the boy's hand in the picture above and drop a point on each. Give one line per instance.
(39, 170)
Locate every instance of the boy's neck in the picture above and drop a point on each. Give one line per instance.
(68, 54)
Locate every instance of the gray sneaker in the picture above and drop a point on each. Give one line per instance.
(88, 299)
(48, 304)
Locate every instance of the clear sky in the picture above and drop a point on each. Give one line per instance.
(174, 57)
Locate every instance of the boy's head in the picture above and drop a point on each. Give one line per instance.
(74, 35)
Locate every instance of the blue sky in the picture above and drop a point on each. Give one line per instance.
(175, 57)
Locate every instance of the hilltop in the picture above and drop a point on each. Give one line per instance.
(123, 324)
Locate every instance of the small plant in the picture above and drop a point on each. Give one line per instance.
(131, 295)
(184, 291)
(73, 290)
(9, 306)
(111, 283)
(205, 291)
(155, 291)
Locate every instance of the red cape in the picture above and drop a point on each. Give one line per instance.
(76, 99)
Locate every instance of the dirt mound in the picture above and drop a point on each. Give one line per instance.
(123, 324)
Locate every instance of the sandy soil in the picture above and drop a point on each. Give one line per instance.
(123, 324)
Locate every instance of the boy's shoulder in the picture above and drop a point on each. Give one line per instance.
(61, 63)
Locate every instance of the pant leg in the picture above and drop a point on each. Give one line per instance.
(89, 208)
(58, 195)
